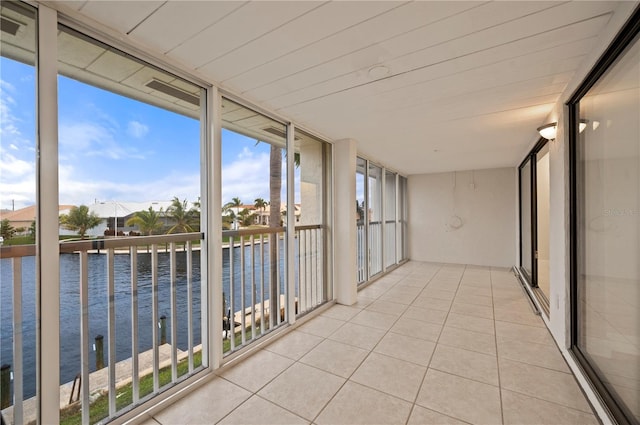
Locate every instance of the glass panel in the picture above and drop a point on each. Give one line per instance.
(129, 144)
(254, 194)
(361, 217)
(18, 209)
(374, 204)
(608, 226)
(542, 218)
(390, 202)
(311, 159)
(525, 220)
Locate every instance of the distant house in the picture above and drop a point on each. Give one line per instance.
(262, 216)
(23, 217)
(119, 212)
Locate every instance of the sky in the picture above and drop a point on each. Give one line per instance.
(115, 148)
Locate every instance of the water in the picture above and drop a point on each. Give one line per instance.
(98, 304)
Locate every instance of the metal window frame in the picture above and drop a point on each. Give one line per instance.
(618, 46)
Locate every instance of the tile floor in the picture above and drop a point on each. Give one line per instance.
(426, 344)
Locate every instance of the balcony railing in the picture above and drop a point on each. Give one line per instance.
(141, 360)
(256, 259)
(311, 280)
(143, 294)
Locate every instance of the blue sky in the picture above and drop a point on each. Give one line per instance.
(115, 148)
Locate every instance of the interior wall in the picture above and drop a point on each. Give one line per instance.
(465, 217)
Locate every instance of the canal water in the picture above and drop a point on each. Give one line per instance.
(98, 304)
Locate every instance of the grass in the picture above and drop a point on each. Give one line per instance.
(124, 395)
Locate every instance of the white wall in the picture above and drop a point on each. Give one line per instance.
(484, 201)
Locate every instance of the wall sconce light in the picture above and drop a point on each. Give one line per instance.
(582, 125)
(548, 131)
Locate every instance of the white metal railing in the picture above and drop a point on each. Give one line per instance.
(375, 247)
(14, 373)
(311, 290)
(256, 259)
(362, 252)
(130, 246)
(390, 243)
(92, 385)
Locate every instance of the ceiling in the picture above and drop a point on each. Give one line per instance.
(422, 86)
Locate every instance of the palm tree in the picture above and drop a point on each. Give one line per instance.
(80, 219)
(246, 217)
(275, 187)
(147, 221)
(232, 209)
(181, 215)
(260, 204)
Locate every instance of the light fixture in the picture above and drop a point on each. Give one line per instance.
(548, 131)
(582, 125)
(378, 71)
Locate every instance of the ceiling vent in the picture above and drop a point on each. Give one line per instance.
(277, 132)
(165, 88)
(9, 26)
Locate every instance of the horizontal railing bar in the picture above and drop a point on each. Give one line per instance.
(249, 232)
(310, 227)
(128, 241)
(14, 251)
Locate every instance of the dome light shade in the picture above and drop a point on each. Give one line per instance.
(548, 131)
(582, 125)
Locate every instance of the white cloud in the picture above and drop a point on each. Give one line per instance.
(137, 129)
(246, 178)
(18, 181)
(184, 186)
(92, 139)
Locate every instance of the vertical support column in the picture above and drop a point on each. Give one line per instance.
(48, 249)
(291, 227)
(211, 281)
(344, 252)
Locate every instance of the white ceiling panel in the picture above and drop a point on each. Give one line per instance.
(439, 53)
(401, 19)
(75, 51)
(294, 35)
(445, 30)
(176, 22)
(243, 25)
(114, 66)
(585, 30)
(120, 15)
(468, 82)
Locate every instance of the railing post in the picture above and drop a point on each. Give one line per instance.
(163, 330)
(99, 352)
(5, 386)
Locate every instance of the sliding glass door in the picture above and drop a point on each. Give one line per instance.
(605, 164)
(534, 219)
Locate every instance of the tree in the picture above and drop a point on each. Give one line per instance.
(6, 229)
(183, 217)
(360, 212)
(246, 217)
(260, 205)
(80, 220)
(231, 210)
(32, 229)
(275, 187)
(147, 221)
